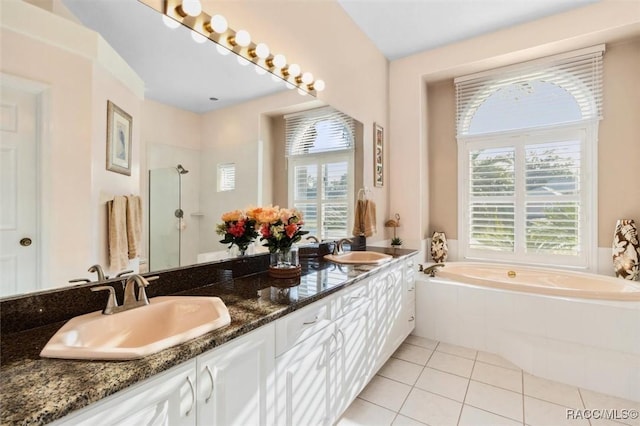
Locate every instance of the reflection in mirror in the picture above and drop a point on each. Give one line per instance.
(164, 81)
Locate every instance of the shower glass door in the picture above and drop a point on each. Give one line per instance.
(164, 226)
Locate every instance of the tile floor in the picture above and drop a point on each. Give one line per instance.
(433, 383)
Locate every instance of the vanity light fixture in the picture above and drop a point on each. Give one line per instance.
(198, 38)
(241, 38)
(189, 8)
(216, 28)
(218, 24)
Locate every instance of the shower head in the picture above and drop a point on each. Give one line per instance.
(181, 169)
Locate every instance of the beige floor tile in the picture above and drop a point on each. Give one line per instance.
(457, 350)
(445, 384)
(412, 353)
(472, 416)
(401, 371)
(406, 421)
(495, 359)
(386, 393)
(495, 400)
(451, 364)
(551, 391)
(498, 376)
(421, 341)
(543, 413)
(599, 401)
(431, 409)
(363, 413)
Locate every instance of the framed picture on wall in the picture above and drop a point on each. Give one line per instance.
(119, 125)
(378, 155)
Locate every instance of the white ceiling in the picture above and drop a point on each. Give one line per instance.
(179, 72)
(403, 27)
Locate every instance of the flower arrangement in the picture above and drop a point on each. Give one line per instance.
(279, 228)
(238, 228)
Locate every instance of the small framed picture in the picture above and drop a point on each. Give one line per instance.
(119, 125)
(378, 155)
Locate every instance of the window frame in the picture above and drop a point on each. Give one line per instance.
(319, 159)
(586, 131)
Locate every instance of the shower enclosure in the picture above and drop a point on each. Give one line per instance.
(166, 217)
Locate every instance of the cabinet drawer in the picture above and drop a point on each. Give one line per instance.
(297, 326)
(350, 299)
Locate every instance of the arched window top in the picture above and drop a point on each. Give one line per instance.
(320, 130)
(541, 93)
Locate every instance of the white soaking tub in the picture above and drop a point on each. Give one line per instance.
(577, 328)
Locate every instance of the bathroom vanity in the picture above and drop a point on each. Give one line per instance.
(296, 352)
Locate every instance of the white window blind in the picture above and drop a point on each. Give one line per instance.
(322, 189)
(320, 130)
(559, 89)
(226, 177)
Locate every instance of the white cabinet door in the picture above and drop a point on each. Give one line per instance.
(236, 383)
(166, 399)
(353, 360)
(305, 381)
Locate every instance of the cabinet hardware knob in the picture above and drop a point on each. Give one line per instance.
(25, 242)
(413, 318)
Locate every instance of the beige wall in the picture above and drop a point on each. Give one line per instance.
(618, 133)
(409, 117)
(619, 140)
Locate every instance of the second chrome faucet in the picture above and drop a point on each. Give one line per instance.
(130, 300)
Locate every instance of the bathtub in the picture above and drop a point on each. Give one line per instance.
(576, 328)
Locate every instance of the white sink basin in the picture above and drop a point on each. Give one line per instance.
(165, 322)
(359, 258)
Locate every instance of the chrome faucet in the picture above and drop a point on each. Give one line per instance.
(98, 269)
(431, 270)
(130, 299)
(337, 249)
(313, 239)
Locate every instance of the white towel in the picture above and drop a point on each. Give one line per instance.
(117, 226)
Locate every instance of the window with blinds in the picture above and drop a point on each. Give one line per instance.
(226, 177)
(319, 147)
(527, 140)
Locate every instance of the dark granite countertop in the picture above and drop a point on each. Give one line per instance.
(37, 390)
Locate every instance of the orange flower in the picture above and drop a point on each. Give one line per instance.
(268, 214)
(232, 216)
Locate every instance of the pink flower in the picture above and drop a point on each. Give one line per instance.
(291, 229)
(264, 230)
(237, 229)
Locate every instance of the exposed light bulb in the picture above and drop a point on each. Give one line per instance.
(191, 7)
(243, 61)
(222, 50)
(219, 24)
(307, 78)
(294, 70)
(243, 38)
(289, 85)
(279, 61)
(262, 50)
(302, 92)
(275, 78)
(260, 70)
(197, 37)
(171, 23)
(319, 85)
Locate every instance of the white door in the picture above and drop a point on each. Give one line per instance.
(18, 191)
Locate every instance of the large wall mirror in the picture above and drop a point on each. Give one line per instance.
(183, 140)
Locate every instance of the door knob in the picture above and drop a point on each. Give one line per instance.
(25, 242)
